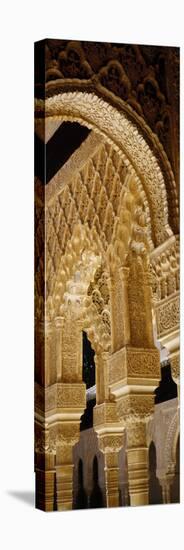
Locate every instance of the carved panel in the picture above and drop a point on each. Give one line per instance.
(136, 435)
(117, 366)
(134, 363)
(175, 365)
(132, 407)
(71, 395)
(143, 364)
(167, 315)
(111, 442)
(105, 413)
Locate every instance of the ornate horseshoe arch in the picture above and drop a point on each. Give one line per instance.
(117, 129)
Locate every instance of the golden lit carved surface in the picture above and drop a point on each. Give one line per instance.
(167, 314)
(144, 79)
(96, 114)
(110, 259)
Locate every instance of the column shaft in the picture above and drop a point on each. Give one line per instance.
(64, 486)
(138, 476)
(45, 490)
(112, 479)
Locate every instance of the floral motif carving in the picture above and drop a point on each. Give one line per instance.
(71, 395)
(132, 407)
(167, 315)
(175, 365)
(111, 442)
(143, 364)
(105, 413)
(136, 434)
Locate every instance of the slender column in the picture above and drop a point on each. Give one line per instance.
(45, 489)
(119, 312)
(149, 341)
(124, 493)
(39, 352)
(112, 479)
(102, 378)
(124, 274)
(110, 444)
(64, 480)
(71, 401)
(137, 459)
(45, 471)
(68, 435)
(59, 322)
(175, 370)
(48, 354)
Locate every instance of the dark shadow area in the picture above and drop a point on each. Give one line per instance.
(59, 148)
(81, 498)
(87, 417)
(167, 388)
(88, 376)
(155, 491)
(88, 362)
(96, 497)
(28, 497)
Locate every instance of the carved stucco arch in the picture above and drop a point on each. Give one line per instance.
(171, 443)
(117, 129)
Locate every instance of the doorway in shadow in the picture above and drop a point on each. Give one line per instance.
(81, 498)
(96, 497)
(155, 491)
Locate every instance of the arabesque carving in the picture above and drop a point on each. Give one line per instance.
(167, 315)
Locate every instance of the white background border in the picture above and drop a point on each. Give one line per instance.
(23, 527)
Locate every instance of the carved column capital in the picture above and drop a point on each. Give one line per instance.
(111, 442)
